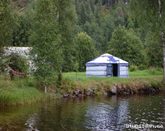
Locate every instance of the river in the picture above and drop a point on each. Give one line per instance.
(89, 114)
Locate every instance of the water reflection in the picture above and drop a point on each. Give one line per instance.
(31, 122)
(104, 116)
(14, 118)
(96, 114)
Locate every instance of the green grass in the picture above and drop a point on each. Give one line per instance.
(18, 91)
(14, 96)
(145, 74)
(22, 91)
(136, 79)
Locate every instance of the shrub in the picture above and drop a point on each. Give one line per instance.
(142, 67)
(155, 71)
(18, 63)
(2, 64)
(133, 68)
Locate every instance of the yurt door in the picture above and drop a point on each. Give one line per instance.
(109, 70)
(115, 69)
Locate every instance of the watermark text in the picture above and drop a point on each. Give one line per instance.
(144, 126)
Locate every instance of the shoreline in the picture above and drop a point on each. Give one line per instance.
(25, 91)
(118, 89)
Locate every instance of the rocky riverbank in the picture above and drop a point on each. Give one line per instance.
(121, 89)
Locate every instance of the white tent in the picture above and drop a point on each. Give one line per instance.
(107, 65)
(23, 52)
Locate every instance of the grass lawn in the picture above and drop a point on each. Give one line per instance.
(144, 74)
(137, 79)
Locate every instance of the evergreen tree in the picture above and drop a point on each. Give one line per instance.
(99, 18)
(88, 13)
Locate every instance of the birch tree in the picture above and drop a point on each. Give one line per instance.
(46, 43)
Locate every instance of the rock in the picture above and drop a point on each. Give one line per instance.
(114, 90)
(66, 95)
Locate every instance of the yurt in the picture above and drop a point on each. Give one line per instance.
(107, 65)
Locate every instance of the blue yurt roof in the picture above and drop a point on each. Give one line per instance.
(105, 59)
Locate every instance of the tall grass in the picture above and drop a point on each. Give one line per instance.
(14, 96)
(18, 91)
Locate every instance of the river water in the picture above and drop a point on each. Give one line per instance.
(143, 113)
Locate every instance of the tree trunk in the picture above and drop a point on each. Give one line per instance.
(59, 79)
(46, 89)
(162, 37)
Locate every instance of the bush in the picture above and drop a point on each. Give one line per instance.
(133, 68)
(142, 67)
(2, 64)
(18, 63)
(155, 71)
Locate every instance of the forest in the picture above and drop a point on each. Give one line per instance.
(67, 34)
(50, 86)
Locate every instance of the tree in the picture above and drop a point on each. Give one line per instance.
(126, 45)
(154, 13)
(98, 18)
(66, 23)
(21, 33)
(88, 20)
(6, 23)
(154, 49)
(46, 42)
(85, 49)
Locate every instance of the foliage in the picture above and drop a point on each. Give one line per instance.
(142, 66)
(126, 45)
(85, 48)
(3, 62)
(99, 18)
(133, 68)
(18, 63)
(46, 42)
(146, 9)
(66, 24)
(154, 50)
(20, 35)
(88, 20)
(6, 23)
(121, 27)
(15, 61)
